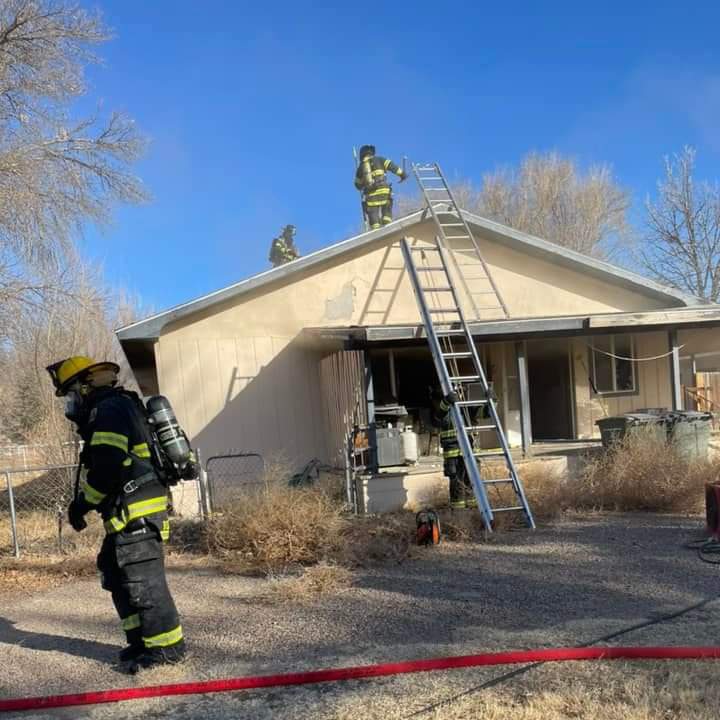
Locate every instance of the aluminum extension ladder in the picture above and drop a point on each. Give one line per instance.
(442, 334)
(451, 225)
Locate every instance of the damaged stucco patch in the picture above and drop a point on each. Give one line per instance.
(342, 306)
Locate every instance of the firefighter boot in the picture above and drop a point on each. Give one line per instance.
(154, 657)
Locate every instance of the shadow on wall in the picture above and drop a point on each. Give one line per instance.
(276, 412)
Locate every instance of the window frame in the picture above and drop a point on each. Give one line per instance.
(614, 392)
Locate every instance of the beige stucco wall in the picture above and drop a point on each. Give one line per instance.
(653, 383)
(239, 380)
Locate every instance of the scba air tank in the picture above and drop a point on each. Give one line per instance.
(167, 429)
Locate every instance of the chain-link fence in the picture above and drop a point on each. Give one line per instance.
(26, 457)
(33, 502)
(228, 476)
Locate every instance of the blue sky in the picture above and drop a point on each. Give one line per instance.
(252, 110)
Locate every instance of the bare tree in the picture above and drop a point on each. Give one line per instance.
(682, 244)
(550, 197)
(56, 171)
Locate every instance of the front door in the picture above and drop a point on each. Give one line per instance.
(549, 378)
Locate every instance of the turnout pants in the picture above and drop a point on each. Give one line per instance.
(132, 569)
(378, 215)
(461, 492)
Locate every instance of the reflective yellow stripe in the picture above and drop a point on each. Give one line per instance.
(377, 203)
(387, 164)
(448, 434)
(93, 496)
(379, 191)
(164, 639)
(127, 462)
(110, 438)
(165, 531)
(137, 510)
(141, 450)
(452, 453)
(130, 622)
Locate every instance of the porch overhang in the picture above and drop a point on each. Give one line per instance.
(528, 328)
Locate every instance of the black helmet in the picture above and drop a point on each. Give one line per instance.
(366, 150)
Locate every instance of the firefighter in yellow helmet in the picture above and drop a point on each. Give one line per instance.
(371, 180)
(117, 478)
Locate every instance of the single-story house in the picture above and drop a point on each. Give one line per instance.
(286, 361)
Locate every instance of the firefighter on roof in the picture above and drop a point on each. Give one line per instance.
(117, 479)
(371, 180)
(283, 248)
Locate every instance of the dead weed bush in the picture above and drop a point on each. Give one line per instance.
(273, 527)
(641, 473)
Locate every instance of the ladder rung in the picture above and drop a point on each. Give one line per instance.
(499, 481)
(508, 509)
(443, 310)
(435, 177)
(433, 289)
(464, 378)
(449, 331)
(452, 224)
(480, 428)
(457, 237)
(471, 403)
(457, 355)
(494, 453)
(423, 248)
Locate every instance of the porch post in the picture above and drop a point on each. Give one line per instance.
(525, 424)
(675, 386)
(370, 398)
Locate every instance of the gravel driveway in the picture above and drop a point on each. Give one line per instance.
(563, 585)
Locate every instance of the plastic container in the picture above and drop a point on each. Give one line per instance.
(689, 431)
(613, 429)
(410, 446)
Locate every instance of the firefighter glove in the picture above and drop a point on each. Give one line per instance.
(76, 514)
(451, 398)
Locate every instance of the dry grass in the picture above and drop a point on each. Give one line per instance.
(680, 690)
(310, 583)
(274, 528)
(641, 473)
(34, 574)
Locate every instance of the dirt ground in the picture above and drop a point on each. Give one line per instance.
(565, 585)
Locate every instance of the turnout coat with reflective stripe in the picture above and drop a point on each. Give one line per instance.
(378, 191)
(116, 451)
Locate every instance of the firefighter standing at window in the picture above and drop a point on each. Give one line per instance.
(283, 248)
(461, 493)
(371, 180)
(117, 478)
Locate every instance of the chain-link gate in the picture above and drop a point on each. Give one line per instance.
(230, 475)
(31, 502)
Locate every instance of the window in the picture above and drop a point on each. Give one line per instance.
(611, 372)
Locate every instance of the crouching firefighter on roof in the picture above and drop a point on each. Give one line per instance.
(371, 180)
(123, 474)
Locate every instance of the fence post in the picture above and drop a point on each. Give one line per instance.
(202, 485)
(13, 518)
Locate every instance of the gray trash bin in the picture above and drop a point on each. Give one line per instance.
(689, 431)
(616, 428)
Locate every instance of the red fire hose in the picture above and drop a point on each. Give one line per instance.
(364, 671)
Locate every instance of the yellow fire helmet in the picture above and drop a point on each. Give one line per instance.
(65, 372)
